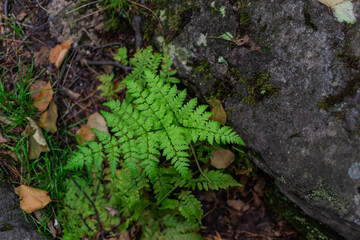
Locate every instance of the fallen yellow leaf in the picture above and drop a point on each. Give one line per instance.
(331, 3)
(32, 199)
(218, 110)
(45, 96)
(48, 118)
(58, 53)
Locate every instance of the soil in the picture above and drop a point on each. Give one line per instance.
(237, 213)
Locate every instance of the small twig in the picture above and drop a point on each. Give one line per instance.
(112, 63)
(69, 93)
(81, 7)
(65, 70)
(93, 93)
(102, 46)
(6, 4)
(198, 165)
(34, 30)
(137, 29)
(102, 9)
(13, 40)
(143, 6)
(4, 169)
(211, 210)
(42, 7)
(98, 186)
(93, 205)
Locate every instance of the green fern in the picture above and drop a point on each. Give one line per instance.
(149, 152)
(121, 56)
(107, 86)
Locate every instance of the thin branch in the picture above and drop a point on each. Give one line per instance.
(137, 29)
(102, 9)
(143, 6)
(102, 46)
(35, 29)
(6, 5)
(198, 165)
(42, 7)
(81, 7)
(93, 205)
(112, 63)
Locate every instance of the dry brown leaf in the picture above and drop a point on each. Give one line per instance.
(45, 96)
(41, 57)
(32, 199)
(243, 181)
(209, 196)
(236, 204)
(97, 122)
(259, 186)
(36, 87)
(37, 142)
(257, 199)
(222, 158)
(111, 211)
(6, 120)
(85, 133)
(21, 16)
(3, 139)
(125, 236)
(331, 3)
(58, 53)
(218, 110)
(48, 118)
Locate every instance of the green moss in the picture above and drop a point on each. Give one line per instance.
(203, 67)
(333, 199)
(349, 59)
(174, 20)
(244, 14)
(347, 91)
(259, 88)
(6, 227)
(287, 210)
(174, 16)
(308, 21)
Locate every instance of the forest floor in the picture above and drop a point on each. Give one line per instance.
(25, 44)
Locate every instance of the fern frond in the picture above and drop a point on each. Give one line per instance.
(189, 206)
(167, 72)
(152, 130)
(214, 180)
(144, 59)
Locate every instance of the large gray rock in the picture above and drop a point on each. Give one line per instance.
(294, 97)
(13, 225)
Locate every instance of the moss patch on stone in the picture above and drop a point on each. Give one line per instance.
(290, 212)
(259, 88)
(308, 21)
(6, 227)
(321, 193)
(203, 68)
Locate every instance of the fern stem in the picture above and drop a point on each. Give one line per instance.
(198, 165)
(168, 193)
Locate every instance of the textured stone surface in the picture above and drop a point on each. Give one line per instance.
(304, 128)
(13, 225)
